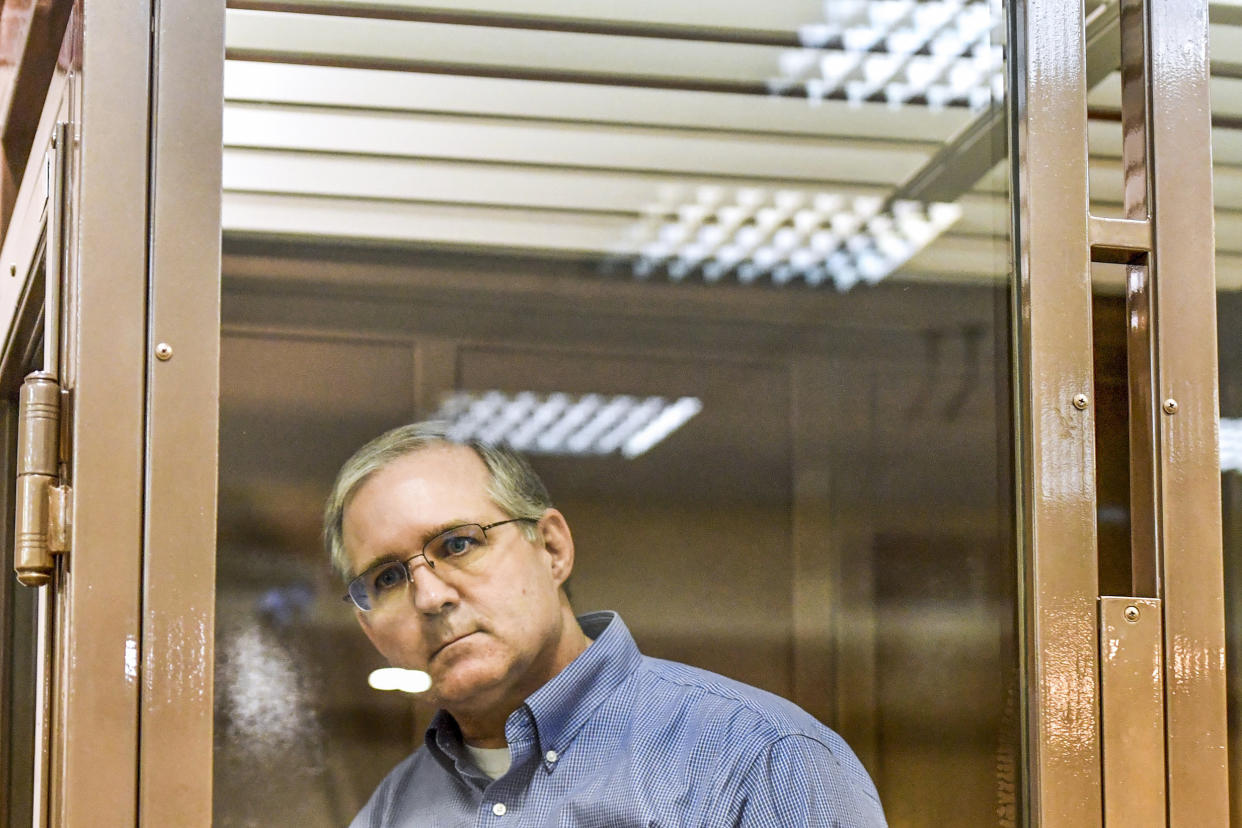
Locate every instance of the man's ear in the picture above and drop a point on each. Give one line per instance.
(558, 542)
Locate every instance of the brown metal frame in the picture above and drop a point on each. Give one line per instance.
(1184, 311)
(1094, 703)
(133, 616)
(183, 401)
(94, 623)
(1057, 449)
(92, 674)
(95, 737)
(133, 623)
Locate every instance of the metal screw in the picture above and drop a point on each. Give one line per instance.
(12, 268)
(1080, 402)
(1131, 613)
(163, 352)
(1170, 406)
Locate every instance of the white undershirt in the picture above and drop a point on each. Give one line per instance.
(492, 761)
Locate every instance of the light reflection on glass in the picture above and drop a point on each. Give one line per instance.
(936, 52)
(785, 235)
(1230, 444)
(396, 678)
(567, 425)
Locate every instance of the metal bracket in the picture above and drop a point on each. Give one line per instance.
(1132, 711)
(1119, 241)
(59, 519)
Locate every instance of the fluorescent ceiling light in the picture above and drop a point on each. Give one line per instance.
(1230, 444)
(395, 678)
(784, 235)
(565, 424)
(935, 52)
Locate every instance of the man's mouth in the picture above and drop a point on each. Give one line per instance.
(450, 643)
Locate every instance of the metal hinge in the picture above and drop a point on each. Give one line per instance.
(43, 524)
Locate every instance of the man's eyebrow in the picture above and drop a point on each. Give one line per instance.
(441, 529)
(423, 539)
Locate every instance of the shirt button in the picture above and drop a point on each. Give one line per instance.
(550, 756)
(499, 809)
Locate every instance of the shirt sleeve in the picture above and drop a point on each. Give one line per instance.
(372, 814)
(798, 781)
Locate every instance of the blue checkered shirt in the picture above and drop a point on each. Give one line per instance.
(618, 739)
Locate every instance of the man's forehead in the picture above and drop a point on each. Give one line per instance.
(443, 466)
(417, 494)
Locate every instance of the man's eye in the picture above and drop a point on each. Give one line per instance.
(457, 545)
(389, 577)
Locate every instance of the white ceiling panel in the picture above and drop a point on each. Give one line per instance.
(331, 86)
(536, 187)
(743, 15)
(322, 38)
(590, 146)
(569, 232)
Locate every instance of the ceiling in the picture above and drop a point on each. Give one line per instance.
(588, 129)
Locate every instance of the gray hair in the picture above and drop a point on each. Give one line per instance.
(513, 485)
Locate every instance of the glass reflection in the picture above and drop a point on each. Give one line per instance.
(674, 204)
(1225, 34)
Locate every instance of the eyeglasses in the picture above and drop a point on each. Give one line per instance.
(453, 550)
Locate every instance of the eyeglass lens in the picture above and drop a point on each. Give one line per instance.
(454, 549)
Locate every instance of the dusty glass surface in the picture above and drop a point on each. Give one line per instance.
(752, 223)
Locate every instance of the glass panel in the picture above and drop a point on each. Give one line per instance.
(19, 605)
(1225, 35)
(776, 222)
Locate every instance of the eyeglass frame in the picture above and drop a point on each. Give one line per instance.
(409, 572)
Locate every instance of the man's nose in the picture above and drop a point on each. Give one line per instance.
(431, 593)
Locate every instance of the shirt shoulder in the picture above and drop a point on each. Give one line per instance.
(747, 707)
(418, 778)
(759, 746)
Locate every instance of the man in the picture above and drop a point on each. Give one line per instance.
(456, 563)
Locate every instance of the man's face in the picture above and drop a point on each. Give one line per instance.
(486, 637)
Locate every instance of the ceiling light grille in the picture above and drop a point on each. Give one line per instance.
(785, 235)
(934, 52)
(566, 424)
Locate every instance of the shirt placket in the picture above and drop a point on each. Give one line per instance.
(504, 799)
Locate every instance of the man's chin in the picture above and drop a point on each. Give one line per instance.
(465, 684)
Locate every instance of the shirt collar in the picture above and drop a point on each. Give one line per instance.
(562, 706)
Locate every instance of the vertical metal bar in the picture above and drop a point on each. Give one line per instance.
(95, 742)
(1144, 508)
(179, 573)
(1133, 25)
(62, 138)
(1184, 301)
(1144, 503)
(1058, 458)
